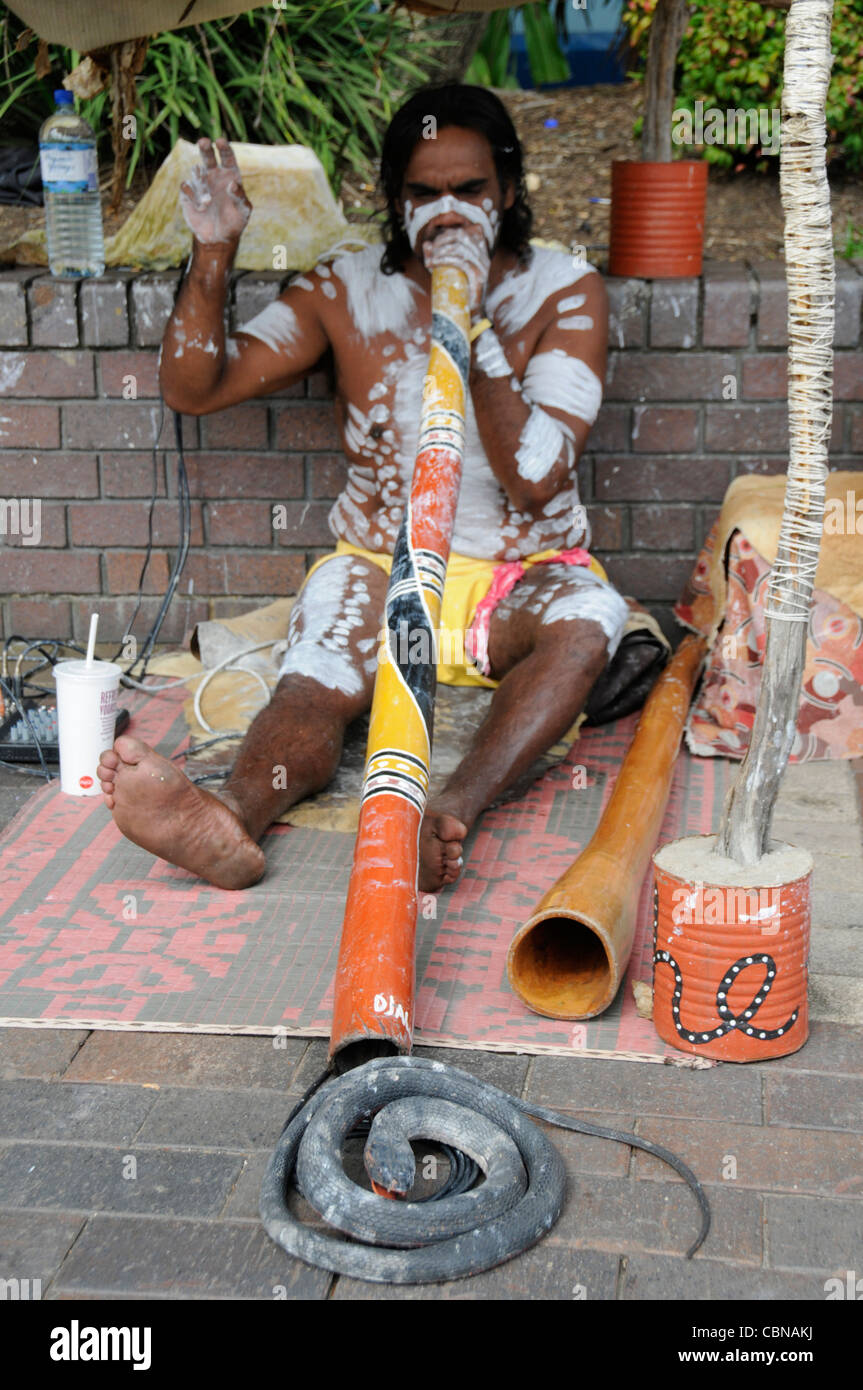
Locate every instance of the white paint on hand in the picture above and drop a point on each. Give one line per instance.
(201, 201)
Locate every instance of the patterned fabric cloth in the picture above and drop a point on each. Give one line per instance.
(830, 720)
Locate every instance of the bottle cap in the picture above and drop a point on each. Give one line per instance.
(64, 98)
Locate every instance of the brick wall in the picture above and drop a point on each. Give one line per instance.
(695, 395)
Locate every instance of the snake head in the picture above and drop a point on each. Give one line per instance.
(390, 1164)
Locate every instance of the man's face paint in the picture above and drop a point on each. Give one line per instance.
(417, 218)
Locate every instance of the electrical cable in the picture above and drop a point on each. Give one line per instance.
(24, 769)
(214, 670)
(198, 747)
(185, 526)
(128, 679)
(149, 550)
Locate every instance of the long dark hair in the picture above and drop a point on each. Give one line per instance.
(473, 108)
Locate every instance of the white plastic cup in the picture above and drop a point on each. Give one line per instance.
(86, 715)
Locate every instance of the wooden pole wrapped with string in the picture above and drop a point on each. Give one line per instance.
(374, 988)
(733, 986)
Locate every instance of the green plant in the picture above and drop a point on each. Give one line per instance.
(542, 32)
(731, 57)
(493, 64)
(853, 248)
(328, 75)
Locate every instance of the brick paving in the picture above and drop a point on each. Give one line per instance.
(130, 1164)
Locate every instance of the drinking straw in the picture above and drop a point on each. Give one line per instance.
(91, 643)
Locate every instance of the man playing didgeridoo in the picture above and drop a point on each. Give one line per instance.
(541, 620)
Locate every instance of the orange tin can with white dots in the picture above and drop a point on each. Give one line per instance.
(731, 950)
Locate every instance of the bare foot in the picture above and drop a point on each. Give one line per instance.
(155, 806)
(441, 844)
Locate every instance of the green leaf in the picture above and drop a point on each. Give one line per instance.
(547, 61)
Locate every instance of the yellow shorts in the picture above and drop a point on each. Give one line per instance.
(468, 580)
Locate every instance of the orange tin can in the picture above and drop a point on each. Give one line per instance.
(657, 217)
(730, 962)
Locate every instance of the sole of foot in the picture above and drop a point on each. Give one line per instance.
(155, 806)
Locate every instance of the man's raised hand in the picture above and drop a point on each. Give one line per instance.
(213, 202)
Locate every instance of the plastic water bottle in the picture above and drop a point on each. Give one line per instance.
(70, 185)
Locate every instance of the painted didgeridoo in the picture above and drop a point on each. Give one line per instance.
(373, 1004)
(569, 958)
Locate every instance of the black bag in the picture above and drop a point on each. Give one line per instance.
(20, 175)
(628, 678)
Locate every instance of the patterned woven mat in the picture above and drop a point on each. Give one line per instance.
(95, 933)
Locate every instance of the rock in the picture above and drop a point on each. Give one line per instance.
(643, 998)
(294, 220)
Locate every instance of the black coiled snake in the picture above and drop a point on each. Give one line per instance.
(420, 1243)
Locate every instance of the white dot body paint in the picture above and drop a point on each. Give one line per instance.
(333, 604)
(276, 325)
(582, 321)
(485, 519)
(523, 291)
(417, 218)
(302, 283)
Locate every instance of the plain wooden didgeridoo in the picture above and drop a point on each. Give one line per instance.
(569, 958)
